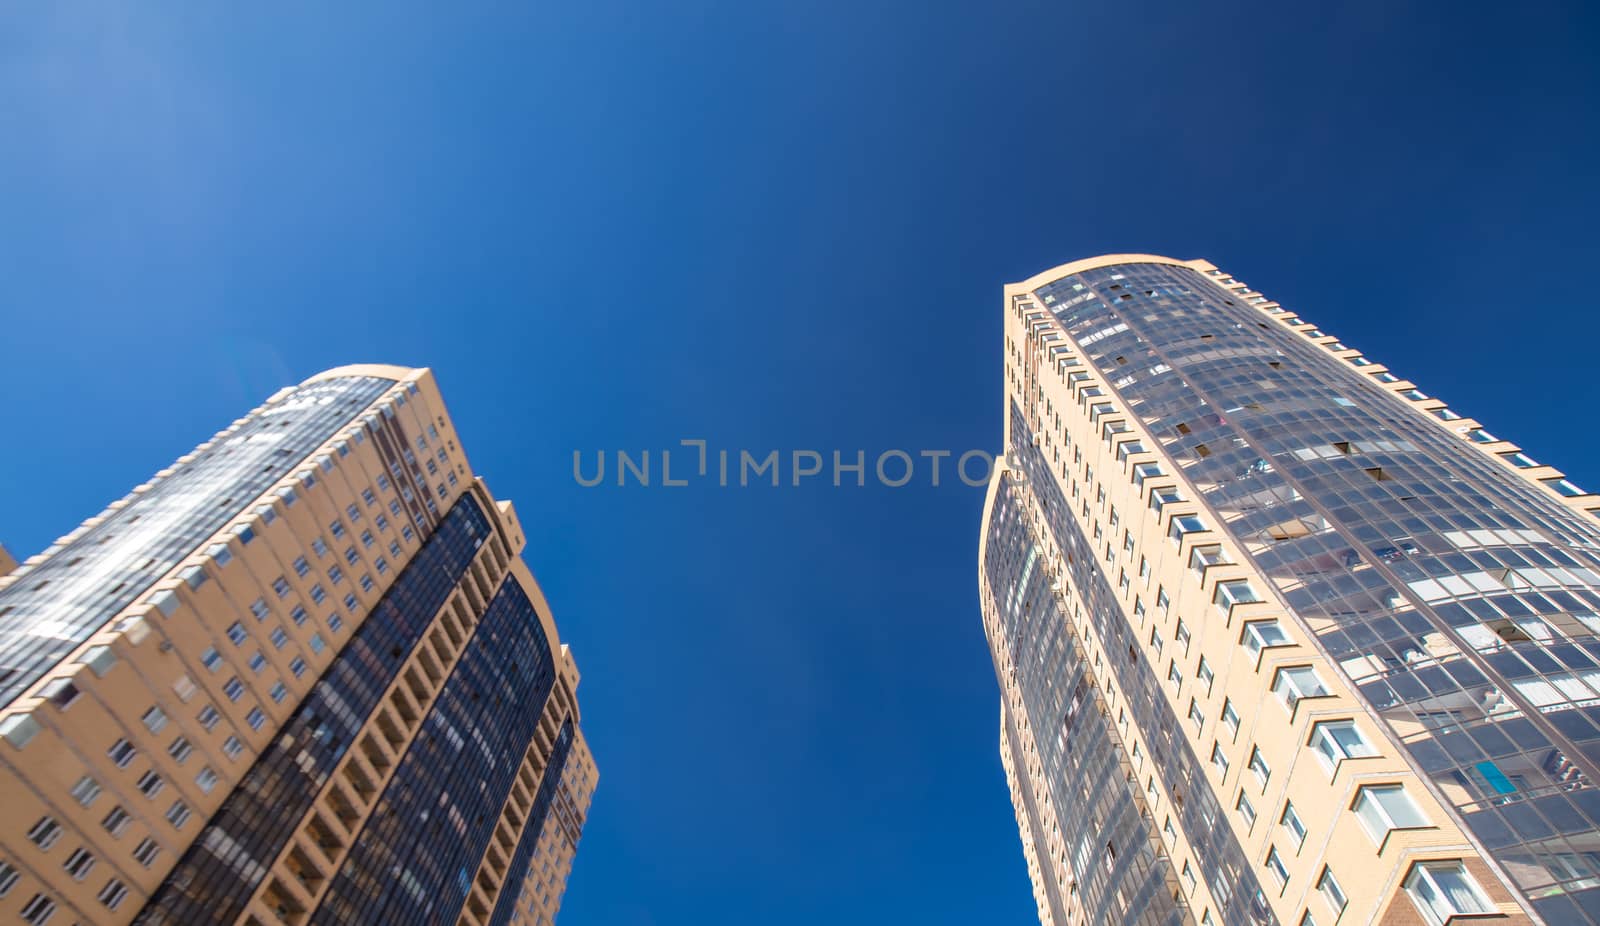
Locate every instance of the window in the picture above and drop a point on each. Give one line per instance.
(9, 877)
(334, 623)
(256, 719)
(1296, 682)
(1188, 878)
(407, 533)
(1219, 760)
(1291, 823)
(146, 852)
(1382, 808)
(1258, 765)
(280, 586)
(1183, 635)
(1337, 740)
(318, 595)
(1445, 889)
(298, 615)
(1246, 809)
(38, 911)
(1183, 525)
(79, 863)
(208, 717)
(318, 547)
(337, 529)
(113, 894)
(279, 692)
(381, 564)
(1205, 675)
(1195, 717)
(180, 750)
(394, 550)
(1260, 635)
(211, 659)
(1173, 675)
(1275, 865)
(1328, 887)
(178, 814)
(1207, 555)
(45, 833)
(1230, 717)
(150, 783)
(394, 507)
(1155, 639)
(231, 747)
(234, 689)
(85, 791)
(207, 779)
(301, 567)
(335, 574)
(116, 821)
(236, 633)
(121, 753)
(353, 512)
(383, 481)
(259, 608)
(366, 582)
(297, 666)
(350, 603)
(1232, 592)
(368, 497)
(258, 662)
(366, 539)
(279, 638)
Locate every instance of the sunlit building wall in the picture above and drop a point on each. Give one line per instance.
(301, 676)
(1340, 643)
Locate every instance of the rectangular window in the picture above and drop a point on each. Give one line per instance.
(1293, 826)
(368, 497)
(178, 814)
(350, 603)
(279, 692)
(1205, 675)
(336, 528)
(279, 638)
(366, 539)
(1445, 889)
(256, 719)
(207, 779)
(1382, 808)
(112, 894)
(85, 791)
(180, 750)
(335, 574)
(1337, 740)
(116, 821)
(258, 662)
(1258, 766)
(154, 719)
(1230, 717)
(301, 567)
(146, 852)
(259, 608)
(1296, 682)
(1328, 887)
(45, 833)
(150, 784)
(79, 863)
(234, 689)
(208, 717)
(1174, 676)
(1246, 809)
(297, 666)
(280, 586)
(121, 753)
(1195, 717)
(1280, 873)
(1183, 635)
(231, 747)
(319, 548)
(37, 911)
(298, 615)
(318, 595)
(1219, 760)
(354, 513)
(1232, 592)
(211, 659)
(236, 633)
(1260, 635)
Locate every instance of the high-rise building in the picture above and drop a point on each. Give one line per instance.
(1280, 638)
(301, 676)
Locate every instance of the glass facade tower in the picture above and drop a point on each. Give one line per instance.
(1335, 646)
(302, 676)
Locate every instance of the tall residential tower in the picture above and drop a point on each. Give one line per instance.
(299, 677)
(1280, 638)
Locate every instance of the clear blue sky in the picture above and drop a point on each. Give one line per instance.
(771, 226)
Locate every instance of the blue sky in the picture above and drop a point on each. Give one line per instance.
(770, 226)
